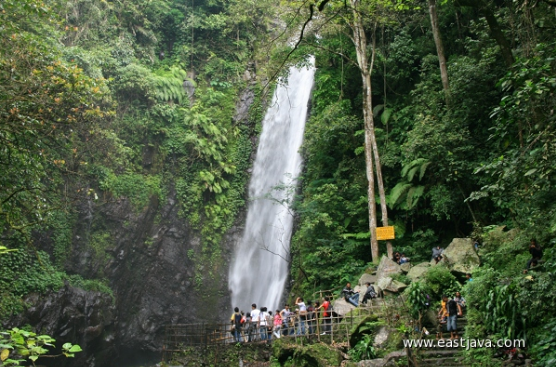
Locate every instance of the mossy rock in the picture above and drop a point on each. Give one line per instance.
(308, 355)
(361, 328)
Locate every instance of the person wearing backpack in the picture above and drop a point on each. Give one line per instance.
(370, 293)
(236, 325)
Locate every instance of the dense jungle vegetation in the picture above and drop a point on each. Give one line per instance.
(105, 100)
(108, 100)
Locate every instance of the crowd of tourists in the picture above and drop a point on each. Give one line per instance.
(262, 324)
(309, 318)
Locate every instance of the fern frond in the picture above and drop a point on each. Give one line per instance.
(397, 193)
(423, 169)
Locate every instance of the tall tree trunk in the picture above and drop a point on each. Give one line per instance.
(495, 29)
(498, 35)
(378, 165)
(439, 49)
(371, 149)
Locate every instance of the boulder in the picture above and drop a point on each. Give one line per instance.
(367, 278)
(389, 360)
(384, 283)
(388, 284)
(460, 256)
(381, 337)
(386, 268)
(418, 272)
(396, 286)
(379, 362)
(405, 267)
(342, 307)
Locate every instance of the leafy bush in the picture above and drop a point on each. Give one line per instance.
(417, 300)
(364, 349)
(440, 281)
(21, 273)
(401, 278)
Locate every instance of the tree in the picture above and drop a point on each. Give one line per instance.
(439, 49)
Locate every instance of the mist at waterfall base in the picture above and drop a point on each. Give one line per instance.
(260, 267)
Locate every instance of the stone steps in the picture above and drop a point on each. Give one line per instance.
(444, 362)
(442, 356)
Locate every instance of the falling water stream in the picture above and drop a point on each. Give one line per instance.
(259, 268)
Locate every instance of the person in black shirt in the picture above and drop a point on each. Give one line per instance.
(454, 310)
(350, 295)
(536, 253)
(370, 293)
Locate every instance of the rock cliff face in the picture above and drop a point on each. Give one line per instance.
(145, 258)
(145, 255)
(74, 316)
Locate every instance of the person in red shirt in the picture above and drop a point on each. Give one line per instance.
(326, 314)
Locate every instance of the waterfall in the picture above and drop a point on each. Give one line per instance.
(259, 268)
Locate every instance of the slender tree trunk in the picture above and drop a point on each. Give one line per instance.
(498, 35)
(439, 49)
(495, 29)
(371, 149)
(378, 165)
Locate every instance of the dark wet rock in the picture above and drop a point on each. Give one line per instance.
(75, 316)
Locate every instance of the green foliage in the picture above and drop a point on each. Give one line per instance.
(138, 188)
(503, 312)
(401, 278)
(440, 281)
(23, 272)
(17, 345)
(364, 349)
(95, 285)
(544, 348)
(417, 300)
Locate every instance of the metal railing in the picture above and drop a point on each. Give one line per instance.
(334, 329)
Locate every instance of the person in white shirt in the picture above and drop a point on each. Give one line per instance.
(285, 314)
(262, 324)
(302, 314)
(254, 321)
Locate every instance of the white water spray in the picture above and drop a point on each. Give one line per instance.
(259, 269)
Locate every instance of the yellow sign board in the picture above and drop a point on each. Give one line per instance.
(385, 233)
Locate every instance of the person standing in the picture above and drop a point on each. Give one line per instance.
(460, 300)
(454, 310)
(254, 320)
(442, 316)
(535, 251)
(326, 316)
(262, 324)
(236, 325)
(302, 313)
(285, 314)
(277, 324)
(311, 319)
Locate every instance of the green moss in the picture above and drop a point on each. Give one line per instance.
(288, 353)
(362, 326)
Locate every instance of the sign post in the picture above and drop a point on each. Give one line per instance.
(385, 233)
